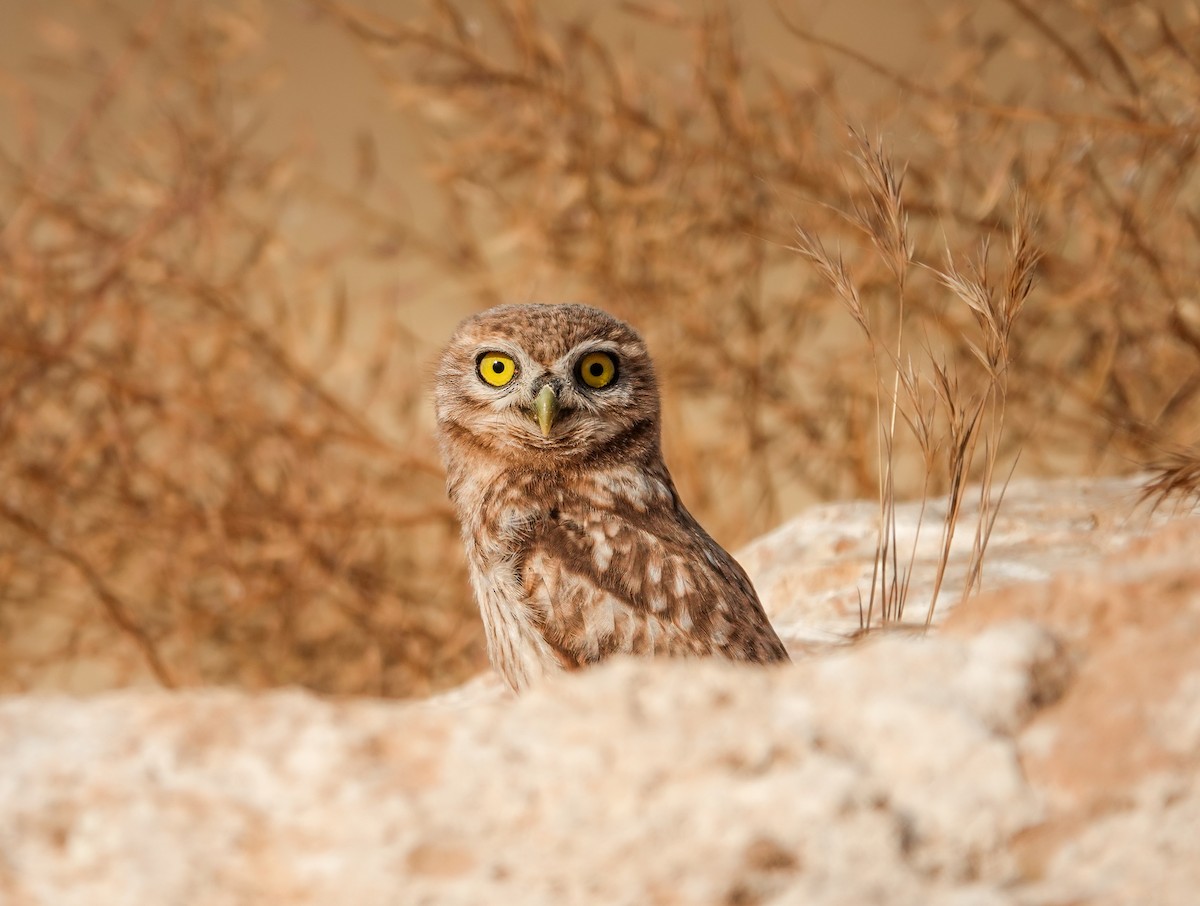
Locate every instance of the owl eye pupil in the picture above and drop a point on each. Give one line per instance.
(596, 369)
(498, 367)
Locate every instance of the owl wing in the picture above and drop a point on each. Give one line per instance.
(653, 582)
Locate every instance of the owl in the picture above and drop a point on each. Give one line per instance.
(578, 545)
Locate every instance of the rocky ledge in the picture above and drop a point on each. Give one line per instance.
(1040, 747)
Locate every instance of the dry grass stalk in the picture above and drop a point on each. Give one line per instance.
(969, 417)
(1175, 477)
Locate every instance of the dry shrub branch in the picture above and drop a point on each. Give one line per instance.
(213, 464)
(670, 196)
(184, 494)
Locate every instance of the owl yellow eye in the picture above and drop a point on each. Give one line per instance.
(497, 369)
(597, 369)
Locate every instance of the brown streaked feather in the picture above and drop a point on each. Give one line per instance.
(638, 580)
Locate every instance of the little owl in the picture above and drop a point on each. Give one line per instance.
(578, 544)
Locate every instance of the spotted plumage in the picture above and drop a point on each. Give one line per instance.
(578, 544)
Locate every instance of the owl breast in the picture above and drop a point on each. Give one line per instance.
(535, 542)
(570, 573)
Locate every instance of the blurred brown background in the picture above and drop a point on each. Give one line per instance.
(236, 233)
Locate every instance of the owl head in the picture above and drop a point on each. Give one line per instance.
(547, 385)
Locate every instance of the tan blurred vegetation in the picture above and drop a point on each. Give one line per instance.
(215, 460)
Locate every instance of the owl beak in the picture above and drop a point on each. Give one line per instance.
(545, 407)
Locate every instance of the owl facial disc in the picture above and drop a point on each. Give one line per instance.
(545, 408)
